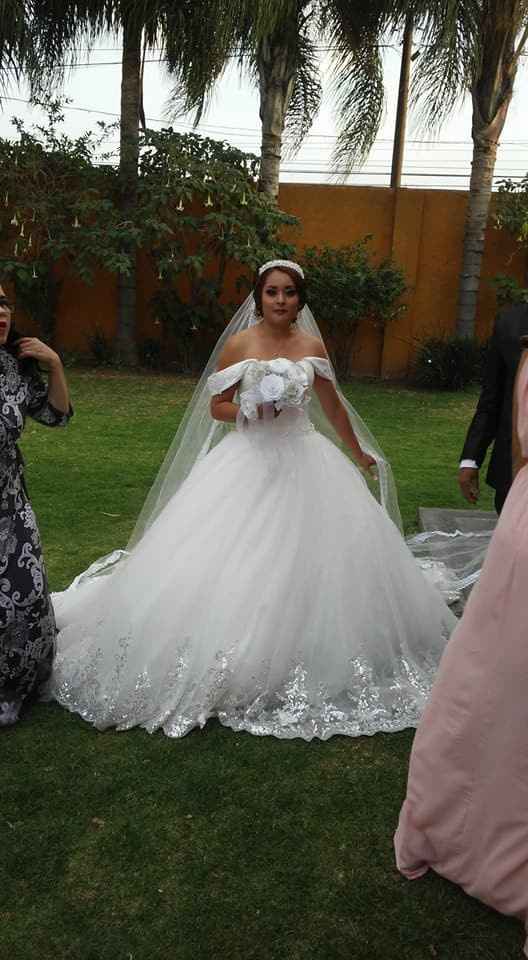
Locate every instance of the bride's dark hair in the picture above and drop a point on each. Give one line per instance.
(298, 282)
(27, 366)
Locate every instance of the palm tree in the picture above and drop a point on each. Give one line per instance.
(284, 65)
(493, 60)
(466, 46)
(131, 105)
(138, 22)
(166, 26)
(60, 28)
(277, 43)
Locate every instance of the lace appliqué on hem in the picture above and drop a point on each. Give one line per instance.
(300, 706)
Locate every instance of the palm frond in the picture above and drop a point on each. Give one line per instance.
(354, 31)
(200, 37)
(351, 26)
(62, 30)
(360, 98)
(306, 96)
(14, 20)
(449, 35)
(59, 32)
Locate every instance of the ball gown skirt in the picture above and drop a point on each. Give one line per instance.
(272, 592)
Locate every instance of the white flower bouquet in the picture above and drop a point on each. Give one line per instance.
(278, 383)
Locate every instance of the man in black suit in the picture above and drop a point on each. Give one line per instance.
(493, 417)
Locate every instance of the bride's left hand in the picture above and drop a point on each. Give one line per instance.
(367, 463)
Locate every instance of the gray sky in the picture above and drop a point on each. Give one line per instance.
(233, 115)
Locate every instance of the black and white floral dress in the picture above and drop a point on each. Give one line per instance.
(27, 622)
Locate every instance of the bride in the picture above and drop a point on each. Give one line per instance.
(264, 584)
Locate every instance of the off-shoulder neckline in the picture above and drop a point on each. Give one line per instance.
(271, 359)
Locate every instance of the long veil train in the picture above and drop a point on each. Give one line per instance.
(452, 561)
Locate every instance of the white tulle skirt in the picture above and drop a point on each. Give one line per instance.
(273, 593)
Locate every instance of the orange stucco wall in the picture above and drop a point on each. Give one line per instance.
(422, 229)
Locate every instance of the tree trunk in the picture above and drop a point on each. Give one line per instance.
(403, 104)
(126, 343)
(482, 167)
(492, 93)
(276, 78)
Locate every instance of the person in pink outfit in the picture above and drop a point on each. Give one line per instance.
(466, 811)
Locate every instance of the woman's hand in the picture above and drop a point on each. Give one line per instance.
(366, 463)
(31, 347)
(34, 349)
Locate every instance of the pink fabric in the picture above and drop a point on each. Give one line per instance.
(466, 810)
(522, 404)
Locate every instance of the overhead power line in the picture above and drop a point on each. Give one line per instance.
(288, 168)
(73, 64)
(255, 131)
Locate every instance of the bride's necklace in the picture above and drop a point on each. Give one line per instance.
(280, 351)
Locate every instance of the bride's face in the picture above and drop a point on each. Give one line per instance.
(280, 300)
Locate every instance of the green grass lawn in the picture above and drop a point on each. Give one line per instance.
(220, 846)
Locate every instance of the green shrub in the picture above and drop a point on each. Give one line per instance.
(511, 208)
(345, 287)
(102, 352)
(449, 363)
(150, 353)
(508, 290)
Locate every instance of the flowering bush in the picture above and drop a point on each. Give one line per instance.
(197, 213)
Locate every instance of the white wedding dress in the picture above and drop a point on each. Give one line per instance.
(272, 592)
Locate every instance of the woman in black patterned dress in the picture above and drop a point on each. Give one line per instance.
(27, 623)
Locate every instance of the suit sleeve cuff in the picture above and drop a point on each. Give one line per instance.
(468, 465)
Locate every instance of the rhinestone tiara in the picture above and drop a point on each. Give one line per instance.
(271, 264)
